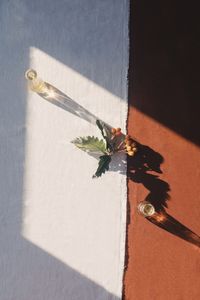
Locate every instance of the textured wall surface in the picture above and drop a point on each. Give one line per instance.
(62, 233)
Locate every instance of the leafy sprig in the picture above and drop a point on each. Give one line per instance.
(113, 141)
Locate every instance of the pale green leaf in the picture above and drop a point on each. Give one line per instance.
(90, 144)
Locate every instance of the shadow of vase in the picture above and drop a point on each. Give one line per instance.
(140, 168)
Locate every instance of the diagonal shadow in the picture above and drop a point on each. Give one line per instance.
(164, 64)
(141, 169)
(170, 224)
(162, 76)
(28, 272)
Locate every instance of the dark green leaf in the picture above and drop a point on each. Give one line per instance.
(105, 131)
(103, 165)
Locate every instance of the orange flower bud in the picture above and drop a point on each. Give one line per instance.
(118, 129)
(131, 153)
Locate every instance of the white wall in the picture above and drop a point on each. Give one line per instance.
(62, 233)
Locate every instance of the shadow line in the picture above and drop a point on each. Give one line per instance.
(28, 272)
(170, 224)
(164, 64)
(140, 168)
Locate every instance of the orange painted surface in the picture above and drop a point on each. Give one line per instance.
(163, 254)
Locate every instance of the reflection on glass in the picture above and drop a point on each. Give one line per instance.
(146, 209)
(35, 84)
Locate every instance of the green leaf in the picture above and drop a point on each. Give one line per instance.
(103, 165)
(90, 144)
(105, 131)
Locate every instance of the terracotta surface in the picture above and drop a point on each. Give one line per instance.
(163, 254)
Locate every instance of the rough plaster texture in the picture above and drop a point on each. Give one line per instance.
(62, 233)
